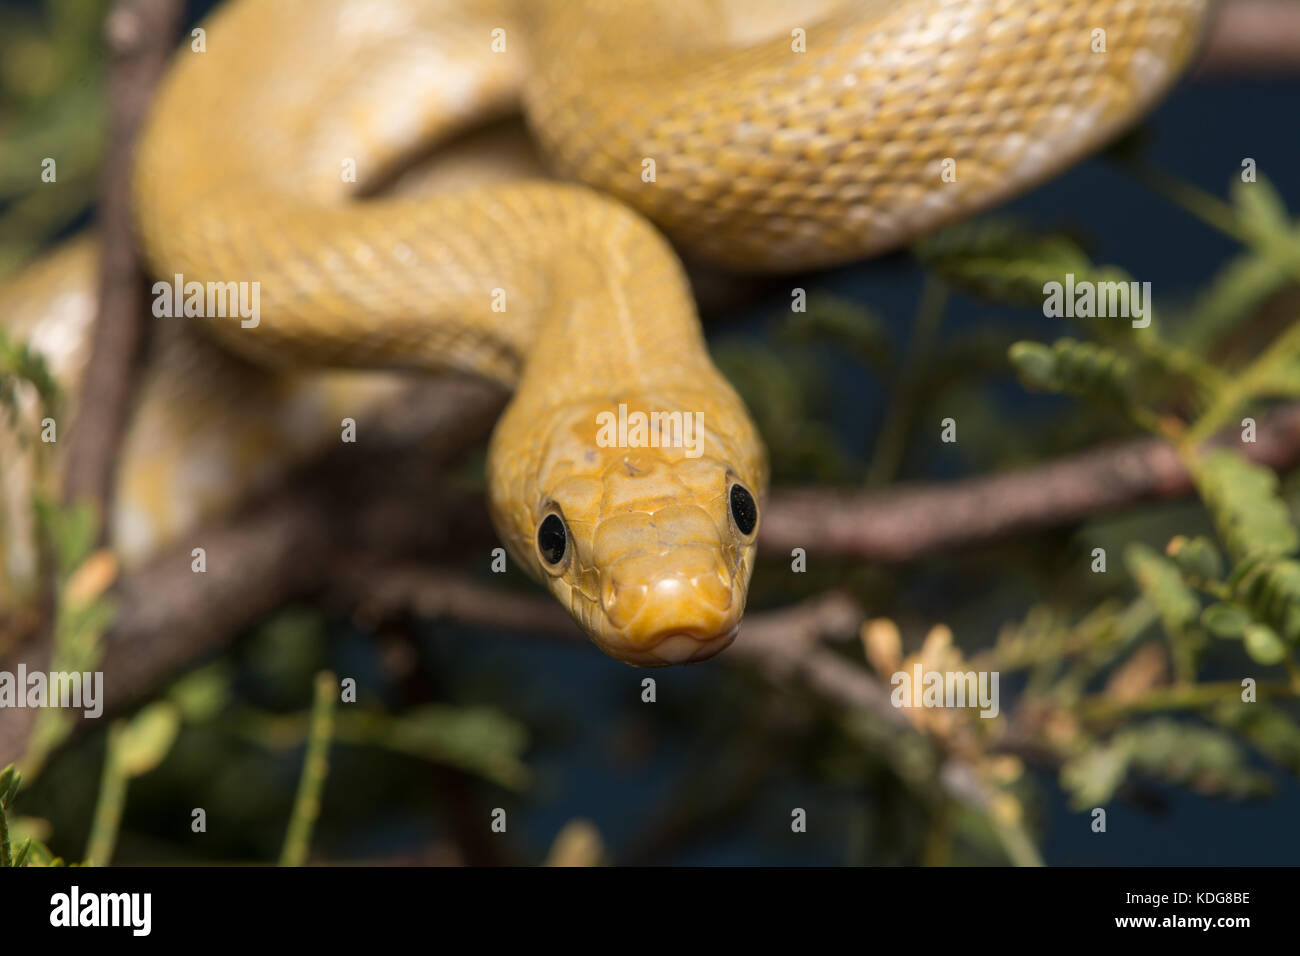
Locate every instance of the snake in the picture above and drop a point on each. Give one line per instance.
(755, 136)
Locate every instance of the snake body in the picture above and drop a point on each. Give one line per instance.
(755, 135)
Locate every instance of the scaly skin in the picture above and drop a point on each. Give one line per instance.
(763, 157)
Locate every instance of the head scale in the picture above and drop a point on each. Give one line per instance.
(645, 534)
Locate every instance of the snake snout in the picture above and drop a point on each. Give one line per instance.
(670, 608)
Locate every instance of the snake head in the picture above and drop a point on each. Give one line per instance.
(650, 546)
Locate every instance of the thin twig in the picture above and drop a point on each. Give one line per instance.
(892, 439)
(912, 523)
(111, 800)
(139, 35)
(6, 786)
(358, 518)
(315, 768)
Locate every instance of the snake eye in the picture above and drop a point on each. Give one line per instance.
(552, 539)
(743, 509)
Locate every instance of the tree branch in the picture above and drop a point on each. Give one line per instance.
(911, 523)
(389, 509)
(352, 512)
(139, 35)
(1253, 38)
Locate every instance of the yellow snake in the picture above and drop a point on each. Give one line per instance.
(753, 134)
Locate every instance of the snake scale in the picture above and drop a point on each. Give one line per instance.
(753, 135)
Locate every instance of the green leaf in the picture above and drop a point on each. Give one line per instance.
(20, 858)
(1206, 759)
(1162, 584)
(20, 364)
(1093, 777)
(1005, 261)
(1283, 380)
(1226, 620)
(1196, 557)
(1269, 729)
(1239, 290)
(1034, 363)
(144, 741)
(1263, 644)
(10, 781)
(840, 323)
(1002, 260)
(202, 694)
(1265, 223)
(1243, 500)
(480, 740)
(1260, 208)
(1079, 368)
(1270, 587)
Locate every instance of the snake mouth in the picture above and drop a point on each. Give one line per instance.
(685, 647)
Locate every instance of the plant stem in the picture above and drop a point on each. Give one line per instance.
(109, 805)
(891, 442)
(315, 768)
(1180, 697)
(1216, 212)
(1204, 206)
(1017, 844)
(6, 857)
(1247, 385)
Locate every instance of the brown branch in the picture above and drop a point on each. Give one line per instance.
(329, 529)
(373, 500)
(139, 35)
(381, 593)
(324, 528)
(391, 507)
(1252, 38)
(911, 523)
(786, 645)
